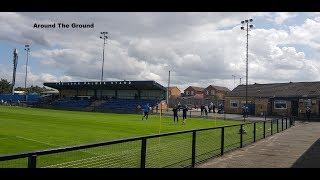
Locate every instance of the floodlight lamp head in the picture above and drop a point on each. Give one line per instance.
(251, 26)
(242, 22)
(100, 37)
(242, 28)
(250, 20)
(27, 45)
(246, 20)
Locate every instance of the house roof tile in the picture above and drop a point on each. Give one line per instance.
(292, 89)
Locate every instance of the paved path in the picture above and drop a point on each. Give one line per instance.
(237, 117)
(297, 147)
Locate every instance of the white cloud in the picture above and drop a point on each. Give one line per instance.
(283, 16)
(307, 34)
(199, 48)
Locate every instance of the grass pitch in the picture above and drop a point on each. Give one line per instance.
(28, 129)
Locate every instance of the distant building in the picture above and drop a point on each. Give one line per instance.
(110, 89)
(174, 92)
(193, 90)
(283, 99)
(217, 92)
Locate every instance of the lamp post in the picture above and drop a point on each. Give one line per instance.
(168, 92)
(215, 119)
(27, 48)
(234, 81)
(246, 26)
(260, 103)
(104, 37)
(15, 62)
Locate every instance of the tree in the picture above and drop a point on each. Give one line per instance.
(37, 89)
(32, 89)
(5, 86)
(19, 89)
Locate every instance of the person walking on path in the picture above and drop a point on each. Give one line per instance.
(244, 112)
(202, 109)
(184, 115)
(175, 114)
(308, 113)
(211, 107)
(206, 111)
(146, 111)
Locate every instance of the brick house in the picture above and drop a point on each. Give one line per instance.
(174, 92)
(276, 99)
(215, 92)
(193, 90)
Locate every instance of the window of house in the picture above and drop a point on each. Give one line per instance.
(233, 104)
(191, 92)
(307, 102)
(280, 104)
(212, 92)
(187, 92)
(207, 92)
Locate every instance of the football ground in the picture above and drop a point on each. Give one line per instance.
(29, 129)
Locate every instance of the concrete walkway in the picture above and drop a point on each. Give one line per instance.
(297, 147)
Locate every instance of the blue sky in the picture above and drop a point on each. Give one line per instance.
(199, 48)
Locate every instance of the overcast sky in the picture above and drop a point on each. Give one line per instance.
(198, 48)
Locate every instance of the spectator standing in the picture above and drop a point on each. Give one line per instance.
(184, 115)
(247, 111)
(206, 110)
(220, 108)
(202, 109)
(211, 107)
(244, 110)
(308, 113)
(179, 106)
(175, 114)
